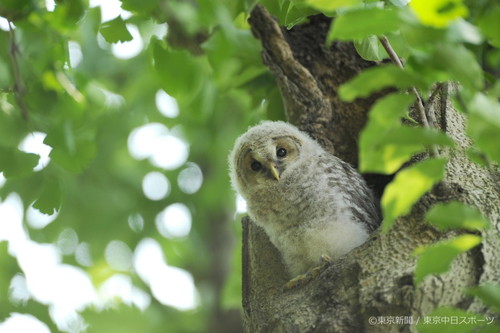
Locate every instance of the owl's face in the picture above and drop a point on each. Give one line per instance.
(268, 160)
(265, 157)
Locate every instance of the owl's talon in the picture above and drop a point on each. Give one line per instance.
(309, 276)
(325, 259)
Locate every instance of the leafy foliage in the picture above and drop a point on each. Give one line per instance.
(456, 215)
(61, 75)
(408, 186)
(435, 43)
(489, 293)
(89, 100)
(446, 251)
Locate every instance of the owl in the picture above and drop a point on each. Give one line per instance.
(309, 202)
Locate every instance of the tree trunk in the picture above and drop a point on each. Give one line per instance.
(375, 279)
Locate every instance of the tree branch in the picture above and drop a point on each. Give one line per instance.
(420, 104)
(19, 88)
(302, 96)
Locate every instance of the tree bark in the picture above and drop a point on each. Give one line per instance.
(375, 279)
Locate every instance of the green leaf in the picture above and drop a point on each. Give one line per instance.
(407, 188)
(437, 258)
(456, 215)
(490, 25)
(458, 63)
(438, 13)
(17, 9)
(484, 125)
(234, 56)
(385, 144)
(488, 293)
(365, 22)
(143, 6)
(450, 320)
(72, 152)
(477, 157)
(49, 200)
(329, 6)
(370, 49)
(115, 31)
(15, 163)
(377, 78)
(180, 73)
(388, 153)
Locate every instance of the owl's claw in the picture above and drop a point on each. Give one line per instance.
(312, 274)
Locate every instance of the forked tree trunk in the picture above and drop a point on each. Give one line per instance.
(377, 278)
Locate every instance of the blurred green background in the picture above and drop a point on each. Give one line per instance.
(116, 119)
(128, 222)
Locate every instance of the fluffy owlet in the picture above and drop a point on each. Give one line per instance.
(309, 202)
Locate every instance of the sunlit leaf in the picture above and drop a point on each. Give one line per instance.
(384, 116)
(377, 78)
(15, 163)
(362, 23)
(115, 31)
(329, 6)
(438, 13)
(489, 293)
(437, 258)
(407, 188)
(388, 153)
(456, 215)
(385, 144)
(450, 320)
(484, 125)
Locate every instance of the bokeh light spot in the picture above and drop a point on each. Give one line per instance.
(33, 143)
(190, 179)
(136, 222)
(118, 255)
(18, 322)
(166, 104)
(174, 221)
(155, 142)
(155, 185)
(67, 241)
(171, 286)
(130, 49)
(37, 219)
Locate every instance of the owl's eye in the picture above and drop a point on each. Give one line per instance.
(281, 152)
(256, 166)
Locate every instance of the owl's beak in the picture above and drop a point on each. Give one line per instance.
(274, 171)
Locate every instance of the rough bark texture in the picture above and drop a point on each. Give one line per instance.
(377, 278)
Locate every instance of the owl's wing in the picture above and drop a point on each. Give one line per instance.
(360, 197)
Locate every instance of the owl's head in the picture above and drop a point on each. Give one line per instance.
(266, 155)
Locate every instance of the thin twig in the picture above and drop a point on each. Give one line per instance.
(390, 51)
(420, 104)
(19, 88)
